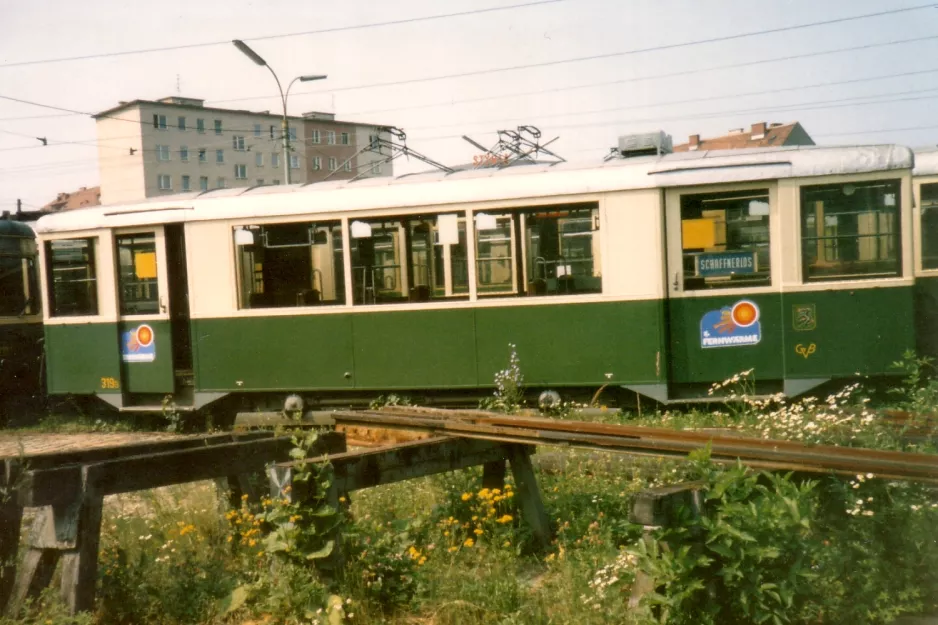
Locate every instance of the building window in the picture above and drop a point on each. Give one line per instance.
(317, 163)
(291, 132)
(271, 132)
(200, 125)
(274, 159)
(219, 156)
(203, 183)
(184, 154)
(850, 231)
(330, 137)
(290, 265)
(348, 165)
(237, 142)
(162, 152)
(181, 122)
(221, 183)
(73, 287)
(257, 130)
(241, 172)
(275, 182)
(138, 285)
(164, 182)
(260, 182)
(345, 138)
(409, 259)
(294, 161)
(159, 122)
(725, 239)
(186, 186)
(217, 126)
(333, 163)
(202, 156)
(376, 168)
(259, 159)
(314, 136)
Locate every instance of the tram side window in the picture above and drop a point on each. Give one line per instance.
(18, 276)
(559, 245)
(850, 231)
(929, 205)
(725, 239)
(136, 274)
(73, 286)
(290, 265)
(416, 258)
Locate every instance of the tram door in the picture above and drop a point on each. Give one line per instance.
(148, 275)
(723, 305)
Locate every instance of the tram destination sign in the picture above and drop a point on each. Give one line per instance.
(726, 263)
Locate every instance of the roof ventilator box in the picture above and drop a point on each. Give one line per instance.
(649, 143)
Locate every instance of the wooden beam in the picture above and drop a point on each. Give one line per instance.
(529, 496)
(122, 475)
(358, 470)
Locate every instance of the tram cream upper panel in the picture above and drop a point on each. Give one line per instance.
(520, 182)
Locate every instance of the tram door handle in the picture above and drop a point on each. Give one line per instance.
(676, 283)
(162, 304)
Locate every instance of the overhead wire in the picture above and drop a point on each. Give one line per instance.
(321, 31)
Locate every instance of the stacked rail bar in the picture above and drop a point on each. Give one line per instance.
(640, 440)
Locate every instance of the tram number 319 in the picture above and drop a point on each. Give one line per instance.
(110, 383)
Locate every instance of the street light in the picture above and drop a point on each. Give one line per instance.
(285, 124)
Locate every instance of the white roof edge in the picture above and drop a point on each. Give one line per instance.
(433, 189)
(926, 162)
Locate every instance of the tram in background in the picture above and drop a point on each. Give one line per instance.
(21, 334)
(656, 275)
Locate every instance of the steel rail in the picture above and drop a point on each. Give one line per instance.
(640, 440)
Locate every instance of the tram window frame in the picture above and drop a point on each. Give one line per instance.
(851, 243)
(140, 296)
(726, 239)
(284, 265)
(76, 308)
(928, 222)
(422, 258)
(19, 270)
(541, 272)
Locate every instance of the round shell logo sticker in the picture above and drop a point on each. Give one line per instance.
(745, 313)
(138, 344)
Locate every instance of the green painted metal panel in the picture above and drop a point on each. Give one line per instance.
(574, 344)
(926, 316)
(842, 333)
(273, 353)
(83, 358)
(146, 370)
(415, 349)
(692, 362)
(20, 356)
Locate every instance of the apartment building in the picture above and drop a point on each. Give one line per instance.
(761, 135)
(173, 145)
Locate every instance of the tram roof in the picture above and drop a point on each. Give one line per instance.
(926, 162)
(10, 228)
(518, 182)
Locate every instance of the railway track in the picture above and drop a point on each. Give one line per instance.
(649, 441)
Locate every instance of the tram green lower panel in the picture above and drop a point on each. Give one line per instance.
(147, 368)
(847, 332)
(926, 316)
(82, 358)
(568, 344)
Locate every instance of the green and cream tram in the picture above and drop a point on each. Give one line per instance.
(654, 274)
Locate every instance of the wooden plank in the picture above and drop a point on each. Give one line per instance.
(529, 496)
(80, 565)
(34, 576)
(87, 456)
(373, 467)
(11, 519)
(162, 469)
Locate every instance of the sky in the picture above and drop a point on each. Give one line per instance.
(601, 69)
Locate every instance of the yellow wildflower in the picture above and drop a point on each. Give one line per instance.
(452, 549)
(244, 497)
(469, 542)
(505, 518)
(478, 531)
(466, 496)
(422, 561)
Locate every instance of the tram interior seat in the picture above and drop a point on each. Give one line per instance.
(537, 287)
(420, 293)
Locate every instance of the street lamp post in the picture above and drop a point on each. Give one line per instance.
(285, 124)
